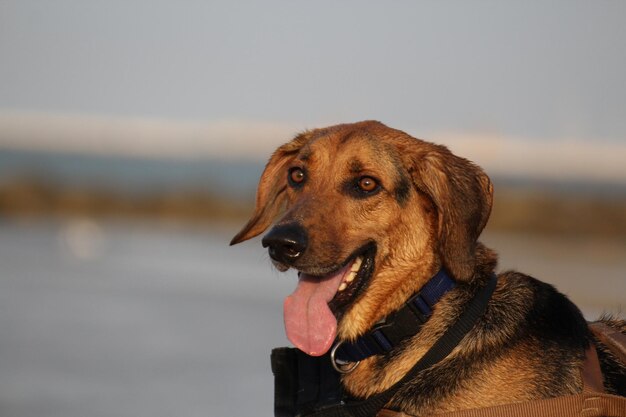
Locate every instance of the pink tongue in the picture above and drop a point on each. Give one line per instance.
(309, 323)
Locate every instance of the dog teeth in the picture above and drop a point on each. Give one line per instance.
(351, 275)
(356, 265)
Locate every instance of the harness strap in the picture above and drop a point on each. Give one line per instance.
(591, 402)
(591, 372)
(585, 404)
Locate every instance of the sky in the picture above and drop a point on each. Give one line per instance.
(531, 71)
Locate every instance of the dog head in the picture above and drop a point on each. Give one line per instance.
(366, 214)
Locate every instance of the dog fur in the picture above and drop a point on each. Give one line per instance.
(427, 213)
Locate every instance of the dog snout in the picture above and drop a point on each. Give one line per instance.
(286, 243)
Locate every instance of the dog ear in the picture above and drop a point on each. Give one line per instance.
(463, 195)
(270, 196)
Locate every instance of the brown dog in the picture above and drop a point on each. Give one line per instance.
(369, 215)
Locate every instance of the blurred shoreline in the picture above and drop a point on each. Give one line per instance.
(40, 185)
(516, 208)
(35, 199)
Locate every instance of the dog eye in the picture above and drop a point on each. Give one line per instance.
(368, 184)
(296, 176)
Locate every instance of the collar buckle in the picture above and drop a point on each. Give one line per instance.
(343, 367)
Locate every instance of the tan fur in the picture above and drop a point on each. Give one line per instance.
(368, 379)
(429, 214)
(390, 289)
(404, 233)
(496, 384)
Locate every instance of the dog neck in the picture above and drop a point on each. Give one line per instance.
(378, 373)
(397, 327)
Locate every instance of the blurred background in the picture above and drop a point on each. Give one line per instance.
(133, 133)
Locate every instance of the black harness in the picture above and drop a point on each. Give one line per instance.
(308, 386)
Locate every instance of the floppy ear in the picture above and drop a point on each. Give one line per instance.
(270, 195)
(463, 195)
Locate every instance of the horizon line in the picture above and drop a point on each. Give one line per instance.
(588, 159)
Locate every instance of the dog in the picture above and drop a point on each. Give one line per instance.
(367, 215)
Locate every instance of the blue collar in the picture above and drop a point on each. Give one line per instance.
(396, 327)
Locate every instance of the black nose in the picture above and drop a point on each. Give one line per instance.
(286, 242)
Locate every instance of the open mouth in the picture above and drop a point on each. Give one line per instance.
(311, 312)
(354, 280)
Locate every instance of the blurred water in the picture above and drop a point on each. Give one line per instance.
(133, 320)
(148, 323)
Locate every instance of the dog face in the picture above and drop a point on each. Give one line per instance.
(366, 214)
